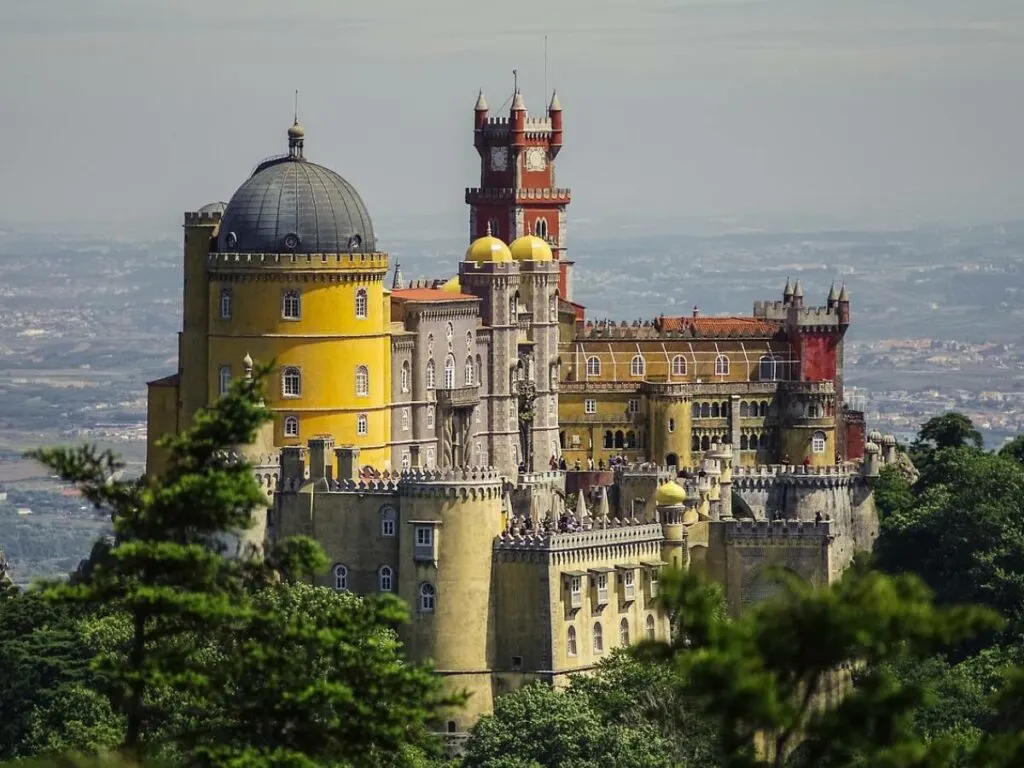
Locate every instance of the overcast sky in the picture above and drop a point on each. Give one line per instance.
(848, 112)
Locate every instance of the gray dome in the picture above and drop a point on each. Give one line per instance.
(217, 207)
(289, 205)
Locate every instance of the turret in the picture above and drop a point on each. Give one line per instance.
(833, 297)
(872, 459)
(479, 120)
(798, 295)
(843, 304)
(787, 292)
(555, 113)
(669, 501)
(517, 121)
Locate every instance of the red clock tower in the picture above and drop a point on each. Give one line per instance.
(517, 194)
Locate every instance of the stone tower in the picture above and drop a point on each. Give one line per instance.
(517, 194)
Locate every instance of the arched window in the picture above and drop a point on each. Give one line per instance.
(671, 425)
(715, 411)
(721, 366)
(571, 641)
(540, 228)
(631, 439)
(431, 376)
(725, 410)
(469, 371)
(705, 443)
(620, 439)
(225, 379)
(405, 375)
(637, 366)
(744, 442)
(362, 381)
(361, 303)
(768, 368)
(430, 417)
(593, 366)
(362, 424)
(650, 627)
(406, 461)
(678, 365)
(695, 443)
(479, 370)
(291, 426)
(469, 341)
(763, 409)
(695, 411)
(291, 305)
(428, 597)
(452, 726)
(386, 577)
(705, 410)
(340, 577)
(745, 410)
(492, 228)
(291, 382)
(624, 632)
(553, 306)
(225, 303)
(513, 307)
(818, 442)
(388, 518)
(598, 638)
(608, 439)
(449, 372)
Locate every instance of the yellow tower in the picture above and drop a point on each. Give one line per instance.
(669, 425)
(289, 273)
(669, 500)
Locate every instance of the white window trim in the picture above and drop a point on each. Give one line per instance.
(287, 421)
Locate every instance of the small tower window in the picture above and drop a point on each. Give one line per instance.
(291, 382)
(598, 638)
(405, 376)
(590, 405)
(428, 598)
(341, 578)
(430, 417)
(571, 642)
(291, 305)
(624, 632)
(362, 424)
(721, 366)
(387, 521)
(361, 303)
(449, 372)
(225, 303)
(671, 425)
(637, 366)
(430, 458)
(362, 381)
(818, 442)
(650, 627)
(291, 426)
(593, 366)
(469, 371)
(469, 342)
(405, 419)
(540, 228)
(431, 375)
(386, 578)
(225, 379)
(678, 365)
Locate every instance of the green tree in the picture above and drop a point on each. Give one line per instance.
(762, 676)
(951, 430)
(892, 492)
(1014, 449)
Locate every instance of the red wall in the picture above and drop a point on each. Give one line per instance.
(817, 353)
(854, 422)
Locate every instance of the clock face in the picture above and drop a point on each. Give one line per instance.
(536, 159)
(499, 158)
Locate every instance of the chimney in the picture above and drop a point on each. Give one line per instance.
(348, 462)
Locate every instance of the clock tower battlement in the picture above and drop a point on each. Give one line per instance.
(517, 194)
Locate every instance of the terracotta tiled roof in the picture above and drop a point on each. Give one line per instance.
(750, 327)
(428, 294)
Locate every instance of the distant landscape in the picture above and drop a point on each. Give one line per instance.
(85, 321)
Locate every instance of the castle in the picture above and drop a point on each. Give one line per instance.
(519, 474)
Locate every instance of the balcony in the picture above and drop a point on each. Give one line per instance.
(458, 397)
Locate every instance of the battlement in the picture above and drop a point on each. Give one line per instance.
(198, 218)
(344, 262)
(763, 475)
(555, 476)
(697, 327)
(617, 532)
(559, 195)
(261, 460)
(757, 532)
(410, 482)
(815, 317)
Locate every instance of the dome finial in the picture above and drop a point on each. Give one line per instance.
(296, 134)
(247, 365)
(489, 233)
(481, 102)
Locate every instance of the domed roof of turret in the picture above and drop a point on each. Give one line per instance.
(871, 447)
(452, 285)
(671, 494)
(488, 248)
(290, 205)
(888, 440)
(530, 248)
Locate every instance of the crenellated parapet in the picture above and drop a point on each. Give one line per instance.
(764, 476)
(325, 266)
(617, 532)
(558, 195)
(453, 483)
(202, 218)
(792, 532)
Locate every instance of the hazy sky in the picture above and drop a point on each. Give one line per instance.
(851, 112)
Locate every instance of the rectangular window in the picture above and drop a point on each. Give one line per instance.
(225, 379)
(291, 307)
(430, 417)
(575, 591)
(590, 406)
(430, 458)
(405, 419)
(654, 582)
(423, 548)
(552, 406)
(602, 589)
(362, 424)
(225, 304)
(628, 585)
(634, 406)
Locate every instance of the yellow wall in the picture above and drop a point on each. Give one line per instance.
(796, 444)
(161, 419)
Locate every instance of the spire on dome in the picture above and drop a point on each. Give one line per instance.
(798, 290)
(843, 295)
(518, 105)
(832, 295)
(481, 102)
(488, 233)
(788, 290)
(555, 105)
(398, 282)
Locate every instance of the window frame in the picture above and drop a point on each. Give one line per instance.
(590, 406)
(288, 297)
(340, 574)
(819, 442)
(291, 372)
(722, 365)
(638, 366)
(388, 521)
(362, 424)
(595, 369)
(427, 597)
(362, 304)
(679, 365)
(388, 573)
(288, 420)
(362, 380)
(227, 303)
(224, 379)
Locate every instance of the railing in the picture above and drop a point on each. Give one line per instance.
(458, 397)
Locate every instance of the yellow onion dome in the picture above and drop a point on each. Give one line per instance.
(452, 285)
(488, 248)
(690, 516)
(671, 494)
(531, 248)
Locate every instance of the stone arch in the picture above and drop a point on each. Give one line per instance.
(740, 508)
(766, 582)
(672, 460)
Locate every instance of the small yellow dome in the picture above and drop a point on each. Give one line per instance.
(670, 494)
(690, 517)
(530, 248)
(452, 285)
(488, 248)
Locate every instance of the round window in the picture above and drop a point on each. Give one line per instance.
(232, 240)
(354, 242)
(291, 241)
